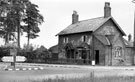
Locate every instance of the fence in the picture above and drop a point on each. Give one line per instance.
(61, 61)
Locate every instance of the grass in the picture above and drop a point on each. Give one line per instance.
(89, 78)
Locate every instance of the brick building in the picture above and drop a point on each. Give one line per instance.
(99, 39)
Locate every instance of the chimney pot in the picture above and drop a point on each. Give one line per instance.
(107, 10)
(129, 37)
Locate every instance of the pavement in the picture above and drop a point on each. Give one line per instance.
(80, 66)
(35, 66)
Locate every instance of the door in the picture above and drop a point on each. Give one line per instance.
(97, 57)
(84, 55)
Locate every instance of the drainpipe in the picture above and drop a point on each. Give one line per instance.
(111, 53)
(93, 56)
(134, 32)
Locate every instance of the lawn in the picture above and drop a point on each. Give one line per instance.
(89, 78)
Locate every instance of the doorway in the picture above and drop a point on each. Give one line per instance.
(84, 56)
(97, 57)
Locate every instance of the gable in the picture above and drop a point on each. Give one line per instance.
(119, 41)
(110, 27)
(103, 39)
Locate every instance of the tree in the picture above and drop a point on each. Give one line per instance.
(14, 12)
(7, 35)
(6, 22)
(42, 53)
(33, 19)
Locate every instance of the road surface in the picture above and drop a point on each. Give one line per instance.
(69, 71)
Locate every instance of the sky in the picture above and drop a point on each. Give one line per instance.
(58, 15)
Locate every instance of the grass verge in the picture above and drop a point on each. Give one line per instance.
(89, 78)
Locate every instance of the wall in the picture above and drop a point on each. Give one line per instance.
(118, 60)
(75, 39)
(129, 56)
(109, 28)
(102, 51)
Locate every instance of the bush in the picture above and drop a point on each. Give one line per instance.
(38, 55)
(4, 52)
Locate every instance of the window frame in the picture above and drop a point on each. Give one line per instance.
(84, 38)
(118, 52)
(65, 40)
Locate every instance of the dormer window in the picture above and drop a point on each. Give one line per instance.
(84, 38)
(65, 40)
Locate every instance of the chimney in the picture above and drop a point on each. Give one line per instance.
(129, 37)
(107, 10)
(75, 17)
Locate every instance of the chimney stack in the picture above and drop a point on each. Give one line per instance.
(75, 17)
(129, 37)
(107, 10)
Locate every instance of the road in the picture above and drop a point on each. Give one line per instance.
(6, 76)
(70, 71)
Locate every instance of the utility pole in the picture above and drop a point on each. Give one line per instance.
(134, 33)
(134, 25)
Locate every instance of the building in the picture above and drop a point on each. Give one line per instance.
(99, 39)
(54, 51)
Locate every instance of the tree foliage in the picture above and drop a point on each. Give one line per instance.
(15, 12)
(40, 54)
(33, 19)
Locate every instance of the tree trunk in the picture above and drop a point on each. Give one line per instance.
(18, 33)
(7, 39)
(28, 40)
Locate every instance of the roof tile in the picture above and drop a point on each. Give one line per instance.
(84, 26)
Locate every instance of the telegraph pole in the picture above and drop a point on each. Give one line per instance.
(134, 34)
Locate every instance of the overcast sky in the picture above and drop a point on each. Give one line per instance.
(57, 16)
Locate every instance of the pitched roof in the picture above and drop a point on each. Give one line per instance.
(69, 46)
(128, 43)
(103, 39)
(86, 26)
(54, 49)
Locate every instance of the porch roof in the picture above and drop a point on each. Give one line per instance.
(69, 46)
(103, 39)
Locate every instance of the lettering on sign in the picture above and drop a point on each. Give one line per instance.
(11, 59)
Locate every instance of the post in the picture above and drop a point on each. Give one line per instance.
(14, 60)
(93, 53)
(111, 53)
(15, 47)
(134, 30)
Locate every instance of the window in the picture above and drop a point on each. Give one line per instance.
(118, 52)
(84, 38)
(65, 40)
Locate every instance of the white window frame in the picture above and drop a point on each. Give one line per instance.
(65, 40)
(83, 38)
(118, 52)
